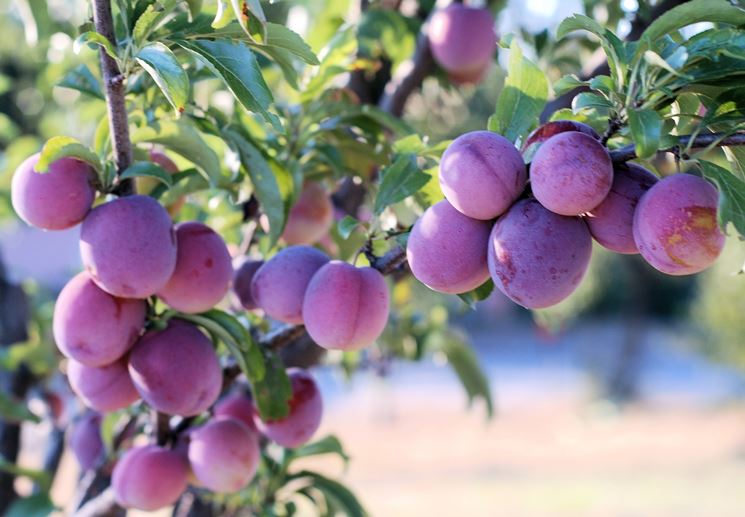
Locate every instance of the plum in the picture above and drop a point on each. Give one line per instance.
(536, 257)
(242, 278)
(446, 250)
(85, 440)
(611, 223)
(105, 388)
(145, 184)
(57, 199)
(92, 326)
(482, 174)
(128, 246)
(675, 225)
(149, 478)
(203, 270)
(176, 370)
(238, 406)
(311, 216)
(345, 307)
(571, 173)
(549, 129)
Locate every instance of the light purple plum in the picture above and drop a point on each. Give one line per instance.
(57, 199)
(675, 225)
(446, 250)
(238, 406)
(306, 409)
(176, 370)
(128, 246)
(203, 270)
(311, 216)
(105, 388)
(611, 223)
(549, 129)
(85, 440)
(149, 478)
(482, 174)
(224, 454)
(462, 39)
(345, 307)
(536, 257)
(242, 278)
(92, 326)
(278, 287)
(571, 173)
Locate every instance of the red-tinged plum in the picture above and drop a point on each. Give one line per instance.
(611, 223)
(224, 454)
(549, 129)
(472, 77)
(105, 388)
(311, 216)
(571, 173)
(675, 225)
(345, 307)
(242, 278)
(145, 185)
(203, 270)
(306, 408)
(128, 246)
(446, 250)
(176, 370)
(462, 39)
(279, 285)
(85, 440)
(149, 478)
(240, 407)
(57, 199)
(482, 174)
(536, 257)
(92, 326)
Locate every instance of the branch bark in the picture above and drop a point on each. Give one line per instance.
(408, 78)
(628, 152)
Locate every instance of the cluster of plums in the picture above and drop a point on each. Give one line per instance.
(132, 251)
(536, 248)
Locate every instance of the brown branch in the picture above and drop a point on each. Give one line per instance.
(114, 84)
(628, 152)
(408, 78)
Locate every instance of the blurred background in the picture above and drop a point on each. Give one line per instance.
(626, 400)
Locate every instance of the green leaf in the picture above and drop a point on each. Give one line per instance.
(236, 65)
(431, 193)
(327, 445)
(223, 15)
(731, 196)
(589, 100)
(148, 21)
(482, 292)
(148, 169)
(273, 393)
(400, 180)
(37, 476)
(92, 38)
(646, 130)
(195, 7)
(522, 99)
(568, 83)
(336, 59)
(602, 83)
(66, 147)
(346, 226)
(82, 79)
(265, 184)
(612, 46)
(182, 139)
(15, 410)
(164, 68)
(337, 495)
(250, 14)
(280, 36)
(37, 505)
(409, 144)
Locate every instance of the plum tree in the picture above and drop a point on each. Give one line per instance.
(85, 440)
(536, 257)
(463, 40)
(238, 406)
(92, 326)
(571, 173)
(128, 246)
(549, 129)
(224, 454)
(675, 225)
(306, 409)
(345, 307)
(242, 278)
(57, 199)
(482, 174)
(611, 223)
(278, 287)
(163, 360)
(104, 388)
(446, 250)
(203, 270)
(149, 478)
(311, 216)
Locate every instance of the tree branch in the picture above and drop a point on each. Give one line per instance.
(114, 84)
(408, 78)
(628, 152)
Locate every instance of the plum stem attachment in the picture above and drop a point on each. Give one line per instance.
(628, 152)
(116, 104)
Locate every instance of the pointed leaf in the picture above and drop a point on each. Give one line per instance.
(94, 38)
(731, 196)
(164, 68)
(66, 147)
(646, 130)
(148, 169)
(82, 79)
(400, 180)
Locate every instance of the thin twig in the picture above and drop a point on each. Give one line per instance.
(628, 152)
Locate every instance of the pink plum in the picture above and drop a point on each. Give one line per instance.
(149, 478)
(104, 388)
(242, 278)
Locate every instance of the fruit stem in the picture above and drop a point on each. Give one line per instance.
(628, 152)
(115, 87)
